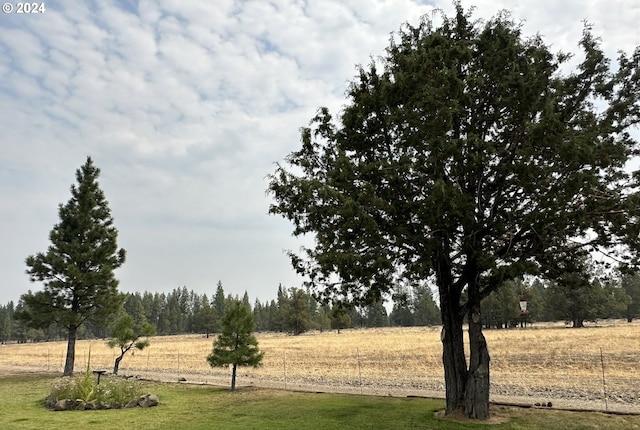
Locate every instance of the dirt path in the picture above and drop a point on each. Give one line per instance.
(500, 395)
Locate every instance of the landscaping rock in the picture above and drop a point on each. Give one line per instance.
(148, 400)
(60, 405)
(133, 403)
(50, 403)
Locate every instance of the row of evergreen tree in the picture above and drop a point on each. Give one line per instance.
(571, 298)
(181, 311)
(296, 311)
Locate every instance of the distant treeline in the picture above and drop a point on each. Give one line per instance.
(295, 310)
(184, 311)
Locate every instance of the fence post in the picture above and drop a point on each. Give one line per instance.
(359, 370)
(604, 382)
(284, 361)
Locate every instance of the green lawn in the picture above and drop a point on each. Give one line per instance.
(199, 407)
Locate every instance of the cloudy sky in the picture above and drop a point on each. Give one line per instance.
(186, 106)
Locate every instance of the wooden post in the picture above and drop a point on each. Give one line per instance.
(284, 361)
(604, 383)
(359, 370)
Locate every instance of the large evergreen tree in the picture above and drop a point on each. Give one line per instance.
(236, 345)
(339, 317)
(631, 284)
(377, 314)
(467, 157)
(402, 312)
(502, 308)
(297, 317)
(577, 298)
(6, 322)
(426, 312)
(218, 302)
(204, 318)
(77, 269)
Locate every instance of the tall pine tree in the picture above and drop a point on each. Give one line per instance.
(77, 269)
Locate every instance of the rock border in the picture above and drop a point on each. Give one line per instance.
(148, 400)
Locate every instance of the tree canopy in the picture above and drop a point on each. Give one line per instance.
(77, 268)
(467, 157)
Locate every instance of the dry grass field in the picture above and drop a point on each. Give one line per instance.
(542, 362)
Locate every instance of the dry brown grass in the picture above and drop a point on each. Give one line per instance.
(545, 359)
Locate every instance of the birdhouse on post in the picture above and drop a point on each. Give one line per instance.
(523, 312)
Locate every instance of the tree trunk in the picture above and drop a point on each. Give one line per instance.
(116, 365)
(453, 358)
(233, 377)
(477, 385)
(467, 389)
(71, 351)
(578, 323)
